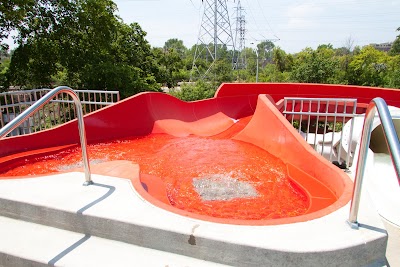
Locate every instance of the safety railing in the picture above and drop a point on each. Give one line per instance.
(58, 111)
(323, 124)
(38, 105)
(392, 142)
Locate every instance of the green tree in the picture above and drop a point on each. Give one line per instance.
(195, 91)
(83, 44)
(33, 64)
(69, 32)
(4, 67)
(35, 22)
(315, 66)
(270, 74)
(265, 51)
(251, 64)
(369, 67)
(177, 45)
(4, 53)
(283, 62)
(12, 12)
(169, 63)
(129, 56)
(395, 50)
(392, 78)
(246, 65)
(222, 70)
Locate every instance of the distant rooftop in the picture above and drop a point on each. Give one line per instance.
(383, 46)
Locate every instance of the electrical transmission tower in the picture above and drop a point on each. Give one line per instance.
(240, 37)
(215, 41)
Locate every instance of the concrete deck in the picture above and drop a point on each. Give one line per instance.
(109, 219)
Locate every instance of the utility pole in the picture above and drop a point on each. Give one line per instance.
(215, 35)
(257, 66)
(257, 55)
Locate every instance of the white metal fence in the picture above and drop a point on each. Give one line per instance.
(326, 124)
(58, 111)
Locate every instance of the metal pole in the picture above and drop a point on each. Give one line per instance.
(392, 142)
(40, 103)
(257, 66)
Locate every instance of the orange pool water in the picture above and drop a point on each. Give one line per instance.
(178, 161)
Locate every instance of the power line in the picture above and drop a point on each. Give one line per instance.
(260, 30)
(197, 8)
(262, 12)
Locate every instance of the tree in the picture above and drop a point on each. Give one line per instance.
(265, 51)
(282, 61)
(177, 45)
(349, 44)
(222, 71)
(369, 67)
(30, 19)
(169, 63)
(66, 32)
(86, 42)
(195, 91)
(33, 64)
(315, 66)
(325, 46)
(345, 55)
(4, 53)
(392, 79)
(12, 12)
(395, 50)
(4, 67)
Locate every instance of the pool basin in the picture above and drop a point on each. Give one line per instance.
(326, 187)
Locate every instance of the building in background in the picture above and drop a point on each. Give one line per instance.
(383, 46)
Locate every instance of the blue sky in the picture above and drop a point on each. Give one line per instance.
(296, 23)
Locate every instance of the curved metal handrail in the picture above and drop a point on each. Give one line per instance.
(392, 142)
(40, 103)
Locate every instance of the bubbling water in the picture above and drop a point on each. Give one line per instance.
(223, 187)
(69, 167)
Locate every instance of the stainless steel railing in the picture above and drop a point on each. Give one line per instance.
(392, 142)
(39, 104)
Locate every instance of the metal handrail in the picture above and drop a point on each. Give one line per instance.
(40, 103)
(392, 142)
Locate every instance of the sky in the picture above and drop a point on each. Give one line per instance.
(292, 24)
